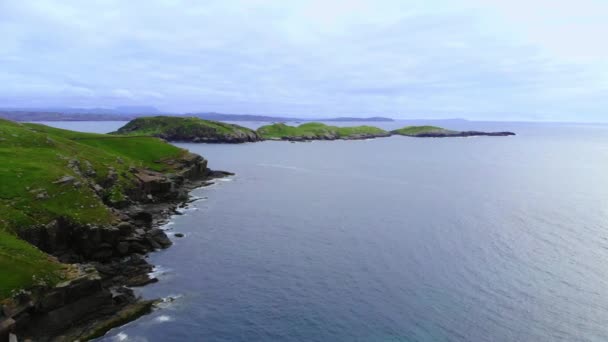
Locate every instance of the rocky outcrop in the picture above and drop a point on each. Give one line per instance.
(109, 258)
(189, 129)
(79, 309)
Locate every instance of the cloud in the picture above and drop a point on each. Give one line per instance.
(475, 59)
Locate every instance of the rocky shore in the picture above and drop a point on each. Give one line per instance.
(105, 261)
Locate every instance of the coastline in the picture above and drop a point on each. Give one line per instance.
(105, 263)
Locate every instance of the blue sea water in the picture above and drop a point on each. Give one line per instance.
(393, 239)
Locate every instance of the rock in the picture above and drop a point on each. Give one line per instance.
(142, 218)
(152, 242)
(42, 195)
(140, 280)
(65, 180)
(51, 301)
(125, 228)
(6, 327)
(220, 174)
(138, 248)
(112, 177)
(102, 254)
(89, 171)
(159, 236)
(179, 235)
(122, 248)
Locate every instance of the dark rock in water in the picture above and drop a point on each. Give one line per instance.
(179, 235)
(220, 174)
(160, 237)
(140, 280)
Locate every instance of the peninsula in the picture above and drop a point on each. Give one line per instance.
(79, 212)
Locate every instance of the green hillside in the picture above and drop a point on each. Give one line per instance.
(46, 173)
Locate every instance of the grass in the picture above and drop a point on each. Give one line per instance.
(167, 126)
(33, 158)
(23, 265)
(315, 129)
(416, 130)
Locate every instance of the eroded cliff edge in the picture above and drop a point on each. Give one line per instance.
(91, 206)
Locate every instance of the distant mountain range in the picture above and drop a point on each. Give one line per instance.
(131, 112)
(249, 117)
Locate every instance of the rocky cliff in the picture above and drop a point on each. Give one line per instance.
(92, 206)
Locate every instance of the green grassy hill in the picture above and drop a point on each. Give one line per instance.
(45, 174)
(419, 130)
(315, 130)
(188, 129)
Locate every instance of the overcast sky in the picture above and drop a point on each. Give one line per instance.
(476, 59)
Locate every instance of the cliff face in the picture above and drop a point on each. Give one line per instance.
(91, 204)
(108, 258)
(189, 130)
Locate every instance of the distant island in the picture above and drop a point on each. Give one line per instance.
(196, 130)
(438, 132)
(319, 131)
(206, 131)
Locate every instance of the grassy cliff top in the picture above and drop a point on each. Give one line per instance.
(417, 130)
(34, 160)
(315, 129)
(183, 128)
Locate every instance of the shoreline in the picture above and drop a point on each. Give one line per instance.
(104, 263)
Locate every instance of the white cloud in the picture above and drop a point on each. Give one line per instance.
(474, 58)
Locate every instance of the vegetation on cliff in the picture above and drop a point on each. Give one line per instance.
(418, 130)
(188, 129)
(48, 173)
(318, 131)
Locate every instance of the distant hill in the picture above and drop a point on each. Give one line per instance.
(265, 118)
(123, 113)
(128, 113)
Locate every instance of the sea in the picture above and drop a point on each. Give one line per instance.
(391, 239)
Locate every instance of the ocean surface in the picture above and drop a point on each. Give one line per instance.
(393, 239)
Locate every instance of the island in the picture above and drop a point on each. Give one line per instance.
(319, 131)
(188, 129)
(438, 132)
(179, 129)
(79, 213)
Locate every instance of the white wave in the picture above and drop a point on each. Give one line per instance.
(121, 337)
(163, 318)
(167, 225)
(186, 209)
(159, 271)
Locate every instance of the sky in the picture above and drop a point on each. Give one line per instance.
(537, 60)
